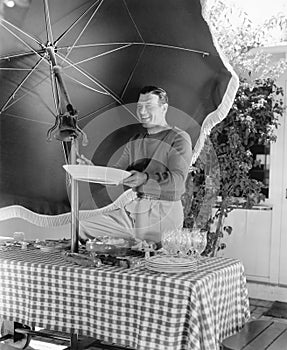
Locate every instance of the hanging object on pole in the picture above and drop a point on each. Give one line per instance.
(66, 128)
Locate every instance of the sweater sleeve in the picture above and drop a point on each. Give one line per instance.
(167, 177)
(124, 160)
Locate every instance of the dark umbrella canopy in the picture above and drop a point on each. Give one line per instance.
(102, 52)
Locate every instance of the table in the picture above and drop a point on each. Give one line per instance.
(132, 307)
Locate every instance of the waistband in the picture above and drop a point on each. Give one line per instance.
(154, 197)
(147, 196)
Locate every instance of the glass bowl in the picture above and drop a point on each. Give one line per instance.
(109, 246)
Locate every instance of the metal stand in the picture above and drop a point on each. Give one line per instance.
(74, 202)
(11, 339)
(73, 341)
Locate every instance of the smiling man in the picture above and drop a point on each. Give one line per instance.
(159, 160)
(151, 109)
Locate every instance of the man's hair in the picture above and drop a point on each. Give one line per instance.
(161, 93)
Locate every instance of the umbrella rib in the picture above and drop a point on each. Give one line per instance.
(11, 97)
(22, 54)
(101, 85)
(99, 55)
(126, 45)
(16, 69)
(85, 85)
(10, 115)
(97, 111)
(131, 43)
(105, 92)
(21, 31)
(204, 53)
(85, 27)
(134, 23)
(99, 44)
(77, 20)
(132, 73)
(109, 93)
(29, 92)
(157, 44)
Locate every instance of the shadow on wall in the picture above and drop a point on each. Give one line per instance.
(32, 232)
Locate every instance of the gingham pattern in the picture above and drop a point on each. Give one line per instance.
(134, 307)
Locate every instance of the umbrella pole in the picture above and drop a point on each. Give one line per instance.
(74, 202)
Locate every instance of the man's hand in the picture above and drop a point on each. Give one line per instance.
(83, 160)
(136, 179)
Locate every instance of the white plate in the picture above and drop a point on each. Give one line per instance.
(170, 264)
(170, 261)
(97, 174)
(174, 269)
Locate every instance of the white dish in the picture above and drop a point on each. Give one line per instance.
(170, 264)
(172, 270)
(97, 174)
(165, 260)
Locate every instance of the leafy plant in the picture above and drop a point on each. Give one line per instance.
(240, 39)
(223, 168)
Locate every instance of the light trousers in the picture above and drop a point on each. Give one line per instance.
(142, 218)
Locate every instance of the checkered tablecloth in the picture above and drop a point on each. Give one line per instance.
(134, 307)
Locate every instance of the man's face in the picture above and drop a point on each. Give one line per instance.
(150, 111)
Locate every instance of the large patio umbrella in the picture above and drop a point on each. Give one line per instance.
(82, 63)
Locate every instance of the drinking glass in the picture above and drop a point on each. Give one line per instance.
(169, 241)
(199, 240)
(19, 236)
(185, 242)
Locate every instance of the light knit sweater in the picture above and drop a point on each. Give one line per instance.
(165, 157)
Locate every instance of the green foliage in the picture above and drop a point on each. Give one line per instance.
(240, 39)
(224, 165)
(223, 168)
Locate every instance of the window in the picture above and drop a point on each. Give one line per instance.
(261, 166)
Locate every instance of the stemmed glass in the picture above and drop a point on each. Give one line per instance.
(19, 236)
(169, 241)
(185, 242)
(199, 240)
